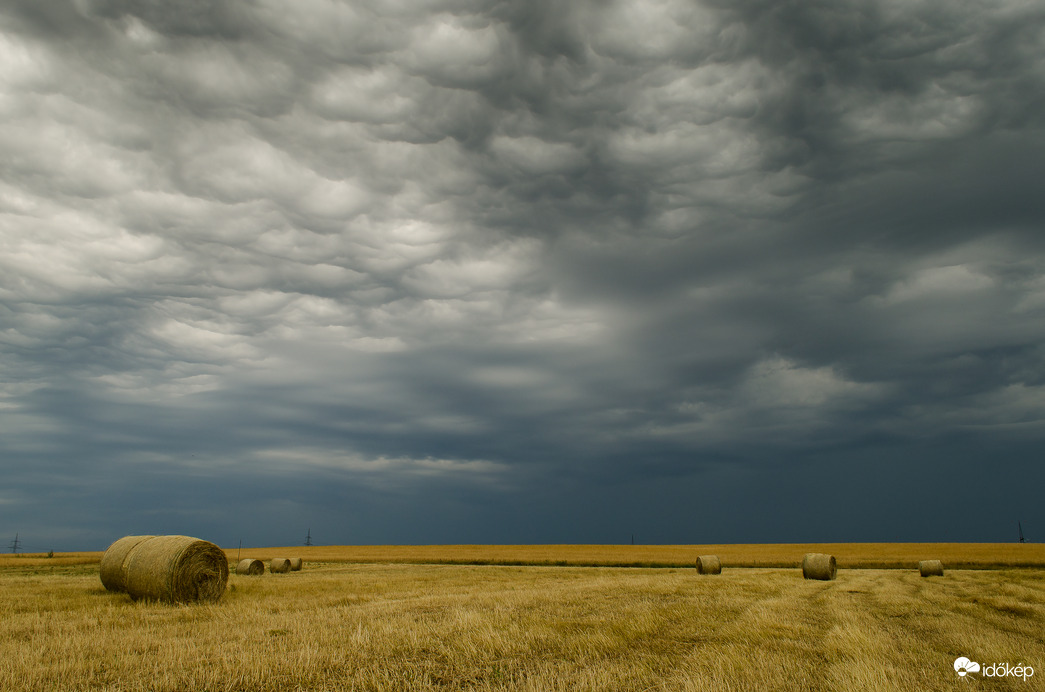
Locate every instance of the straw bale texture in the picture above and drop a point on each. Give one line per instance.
(295, 564)
(111, 567)
(176, 569)
(819, 566)
(250, 567)
(279, 565)
(709, 564)
(930, 568)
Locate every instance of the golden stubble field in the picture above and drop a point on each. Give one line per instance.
(883, 555)
(395, 625)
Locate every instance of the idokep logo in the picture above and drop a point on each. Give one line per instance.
(963, 666)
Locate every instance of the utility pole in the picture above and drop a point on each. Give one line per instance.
(15, 544)
(308, 538)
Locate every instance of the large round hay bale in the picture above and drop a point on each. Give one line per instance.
(250, 567)
(279, 565)
(709, 564)
(295, 564)
(111, 567)
(176, 569)
(819, 566)
(930, 568)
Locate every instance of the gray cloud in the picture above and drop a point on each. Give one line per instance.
(505, 271)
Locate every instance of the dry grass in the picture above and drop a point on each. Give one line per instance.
(848, 555)
(449, 627)
(22, 560)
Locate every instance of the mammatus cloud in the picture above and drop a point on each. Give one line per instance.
(528, 254)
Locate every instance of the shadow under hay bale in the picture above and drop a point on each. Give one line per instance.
(279, 565)
(176, 569)
(111, 567)
(250, 567)
(295, 564)
(930, 568)
(709, 564)
(819, 566)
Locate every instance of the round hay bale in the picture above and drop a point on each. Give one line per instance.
(279, 565)
(111, 567)
(709, 564)
(295, 564)
(250, 567)
(176, 569)
(819, 566)
(930, 568)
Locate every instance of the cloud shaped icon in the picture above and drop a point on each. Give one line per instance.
(963, 666)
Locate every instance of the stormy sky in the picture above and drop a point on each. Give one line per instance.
(478, 271)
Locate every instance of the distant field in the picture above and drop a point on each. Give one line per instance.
(337, 627)
(41, 559)
(849, 555)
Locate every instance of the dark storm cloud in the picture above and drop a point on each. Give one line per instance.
(546, 259)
